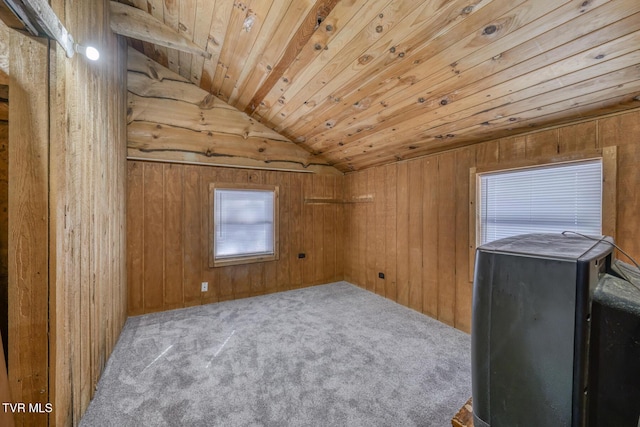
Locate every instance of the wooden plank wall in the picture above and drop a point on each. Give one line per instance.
(416, 232)
(66, 208)
(87, 303)
(4, 228)
(28, 210)
(172, 120)
(167, 236)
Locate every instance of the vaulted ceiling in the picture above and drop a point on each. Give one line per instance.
(366, 82)
(369, 82)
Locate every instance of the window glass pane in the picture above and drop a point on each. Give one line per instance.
(243, 223)
(549, 199)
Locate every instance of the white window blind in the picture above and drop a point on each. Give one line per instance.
(244, 223)
(545, 199)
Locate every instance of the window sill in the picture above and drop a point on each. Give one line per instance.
(242, 260)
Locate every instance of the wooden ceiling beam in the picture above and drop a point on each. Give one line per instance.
(135, 23)
(9, 18)
(39, 19)
(268, 49)
(317, 14)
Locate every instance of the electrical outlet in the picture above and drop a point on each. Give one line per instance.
(205, 286)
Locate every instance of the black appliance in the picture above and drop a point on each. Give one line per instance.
(550, 311)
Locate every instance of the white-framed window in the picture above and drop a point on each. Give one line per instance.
(243, 224)
(542, 199)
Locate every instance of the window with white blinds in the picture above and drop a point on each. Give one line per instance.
(547, 199)
(244, 222)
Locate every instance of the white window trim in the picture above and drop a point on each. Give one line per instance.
(213, 262)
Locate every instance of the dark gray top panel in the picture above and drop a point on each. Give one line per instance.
(568, 247)
(618, 293)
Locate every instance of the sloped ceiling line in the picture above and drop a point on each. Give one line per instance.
(300, 39)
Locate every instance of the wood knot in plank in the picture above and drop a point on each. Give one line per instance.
(489, 29)
(408, 80)
(363, 104)
(153, 73)
(365, 59)
(213, 41)
(207, 102)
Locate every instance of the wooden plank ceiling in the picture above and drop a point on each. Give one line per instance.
(369, 82)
